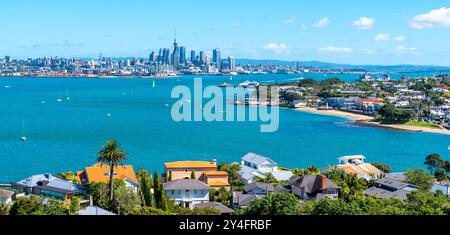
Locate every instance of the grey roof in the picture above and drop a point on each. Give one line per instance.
(223, 209)
(312, 183)
(256, 158)
(383, 193)
(257, 185)
(392, 183)
(281, 189)
(6, 193)
(400, 176)
(50, 182)
(183, 184)
(244, 199)
(94, 210)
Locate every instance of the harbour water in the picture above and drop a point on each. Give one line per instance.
(65, 136)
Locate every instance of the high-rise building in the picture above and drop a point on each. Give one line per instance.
(166, 56)
(153, 57)
(176, 54)
(182, 55)
(216, 58)
(193, 56)
(232, 63)
(202, 58)
(7, 59)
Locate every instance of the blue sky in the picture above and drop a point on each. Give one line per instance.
(348, 31)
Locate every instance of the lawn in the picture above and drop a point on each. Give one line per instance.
(409, 123)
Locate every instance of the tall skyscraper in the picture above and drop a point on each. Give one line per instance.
(202, 57)
(182, 55)
(153, 57)
(232, 63)
(176, 54)
(193, 60)
(166, 56)
(216, 58)
(7, 59)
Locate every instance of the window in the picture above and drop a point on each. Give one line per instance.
(195, 191)
(173, 192)
(187, 191)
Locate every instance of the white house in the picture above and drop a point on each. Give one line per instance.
(187, 192)
(253, 164)
(355, 165)
(6, 196)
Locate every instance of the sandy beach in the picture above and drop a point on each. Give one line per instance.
(364, 120)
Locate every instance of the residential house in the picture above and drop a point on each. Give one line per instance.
(187, 192)
(94, 210)
(253, 164)
(6, 196)
(258, 188)
(204, 171)
(444, 188)
(355, 165)
(49, 186)
(224, 210)
(243, 200)
(298, 104)
(99, 173)
(390, 188)
(314, 187)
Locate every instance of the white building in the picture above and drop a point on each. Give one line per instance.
(6, 196)
(187, 192)
(253, 164)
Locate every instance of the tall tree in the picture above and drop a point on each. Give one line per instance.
(144, 179)
(434, 162)
(111, 154)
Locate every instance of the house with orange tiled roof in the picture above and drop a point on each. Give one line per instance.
(204, 171)
(355, 165)
(99, 173)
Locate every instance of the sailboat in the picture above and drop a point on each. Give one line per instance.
(67, 95)
(231, 78)
(24, 137)
(59, 98)
(154, 85)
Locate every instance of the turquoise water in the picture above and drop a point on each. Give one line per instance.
(65, 136)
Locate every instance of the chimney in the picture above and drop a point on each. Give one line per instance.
(324, 183)
(214, 161)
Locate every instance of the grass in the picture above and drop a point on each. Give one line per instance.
(385, 121)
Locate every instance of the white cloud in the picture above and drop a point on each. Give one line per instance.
(291, 20)
(322, 22)
(367, 51)
(406, 50)
(303, 26)
(382, 37)
(236, 24)
(276, 47)
(333, 49)
(364, 23)
(434, 18)
(400, 38)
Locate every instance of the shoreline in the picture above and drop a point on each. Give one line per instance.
(365, 120)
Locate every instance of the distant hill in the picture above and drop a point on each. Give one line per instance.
(372, 68)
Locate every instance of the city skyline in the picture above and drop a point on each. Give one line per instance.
(401, 32)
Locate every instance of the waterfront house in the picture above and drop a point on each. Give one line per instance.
(355, 165)
(253, 164)
(99, 173)
(94, 210)
(314, 187)
(224, 210)
(204, 171)
(390, 188)
(6, 196)
(298, 104)
(49, 186)
(187, 192)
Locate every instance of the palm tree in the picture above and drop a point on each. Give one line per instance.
(111, 154)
